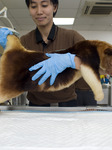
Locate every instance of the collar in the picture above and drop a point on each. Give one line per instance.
(50, 37)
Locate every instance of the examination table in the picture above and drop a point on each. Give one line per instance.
(55, 128)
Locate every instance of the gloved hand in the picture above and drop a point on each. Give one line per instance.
(3, 36)
(53, 66)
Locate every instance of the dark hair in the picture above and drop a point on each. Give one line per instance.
(55, 2)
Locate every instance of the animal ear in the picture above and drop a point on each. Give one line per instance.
(108, 51)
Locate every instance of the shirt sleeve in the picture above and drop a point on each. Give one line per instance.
(77, 37)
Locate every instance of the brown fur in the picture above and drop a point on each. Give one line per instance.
(15, 78)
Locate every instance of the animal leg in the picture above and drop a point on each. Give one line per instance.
(89, 76)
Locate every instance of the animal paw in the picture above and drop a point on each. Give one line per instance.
(99, 96)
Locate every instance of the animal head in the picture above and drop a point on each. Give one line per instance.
(106, 61)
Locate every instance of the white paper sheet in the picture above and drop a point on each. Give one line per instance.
(56, 130)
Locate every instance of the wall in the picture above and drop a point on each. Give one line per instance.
(98, 35)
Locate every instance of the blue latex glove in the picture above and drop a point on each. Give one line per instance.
(4, 32)
(53, 66)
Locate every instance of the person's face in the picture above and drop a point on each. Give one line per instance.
(42, 12)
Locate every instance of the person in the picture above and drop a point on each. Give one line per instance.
(47, 37)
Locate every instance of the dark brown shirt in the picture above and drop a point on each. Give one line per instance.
(59, 38)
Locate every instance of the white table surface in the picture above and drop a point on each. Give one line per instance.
(55, 130)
